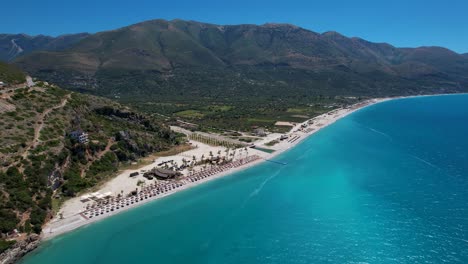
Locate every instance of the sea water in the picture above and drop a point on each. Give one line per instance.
(387, 184)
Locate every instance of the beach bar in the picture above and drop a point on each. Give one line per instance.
(162, 174)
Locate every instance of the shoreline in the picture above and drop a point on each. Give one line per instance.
(298, 133)
(77, 221)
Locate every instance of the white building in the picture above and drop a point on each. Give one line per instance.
(80, 136)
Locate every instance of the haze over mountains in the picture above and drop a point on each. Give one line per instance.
(168, 58)
(14, 45)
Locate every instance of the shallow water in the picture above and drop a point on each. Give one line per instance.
(387, 184)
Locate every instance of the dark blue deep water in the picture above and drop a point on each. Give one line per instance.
(387, 184)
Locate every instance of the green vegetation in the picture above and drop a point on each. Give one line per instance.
(190, 114)
(239, 77)
(234, 78)
(196, 60)
(36, 176)
(104, 164)
(4, 245)
(242, 115)
(214, 141)
(272, 143)
(11, 74)
(8, 221)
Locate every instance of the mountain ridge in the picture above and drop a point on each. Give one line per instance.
(14, 45)
(175, 47)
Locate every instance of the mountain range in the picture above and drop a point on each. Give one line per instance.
(178, 58)
(14, 45)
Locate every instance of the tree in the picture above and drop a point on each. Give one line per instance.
(8, 221)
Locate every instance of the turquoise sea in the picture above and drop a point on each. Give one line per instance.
(387, 184)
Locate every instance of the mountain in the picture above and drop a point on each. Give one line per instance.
(41, 163)
(188, 59)
(14, 45)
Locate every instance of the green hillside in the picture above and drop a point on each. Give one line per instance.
(11, 74)
(173, 58)
(42, 164)
(257, 71)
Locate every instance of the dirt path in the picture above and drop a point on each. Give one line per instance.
(40, 121)
(110, 142)
(40, 124)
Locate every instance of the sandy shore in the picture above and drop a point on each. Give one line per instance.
(71, 209)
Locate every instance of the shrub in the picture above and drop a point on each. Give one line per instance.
(8, 221)
(4, 245)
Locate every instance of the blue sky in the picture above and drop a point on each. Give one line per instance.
(402, 23)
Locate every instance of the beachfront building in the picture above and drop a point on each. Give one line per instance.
(80, 136)
(162, 174)
(260, 132)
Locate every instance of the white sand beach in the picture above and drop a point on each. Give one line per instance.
(72, 216)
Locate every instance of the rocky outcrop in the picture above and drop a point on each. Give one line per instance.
(18, 250)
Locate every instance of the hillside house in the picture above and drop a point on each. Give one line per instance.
(80, 136)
